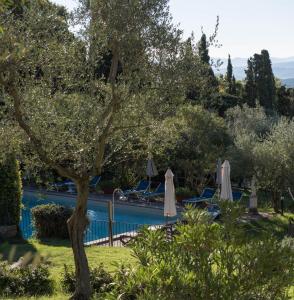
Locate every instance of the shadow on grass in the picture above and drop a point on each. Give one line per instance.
(277, 226)
(55, 242)
(12, 250)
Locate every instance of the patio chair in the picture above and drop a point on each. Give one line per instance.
(207, 193)
(142, 187)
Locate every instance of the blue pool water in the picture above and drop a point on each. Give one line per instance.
(127, 218)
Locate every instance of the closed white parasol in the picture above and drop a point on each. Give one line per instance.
(169, 196)
(226, 188)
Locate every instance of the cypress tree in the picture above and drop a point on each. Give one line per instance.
(229, 75)
(10, 191)
(205, 59)
(250, 88)
(260, 81)
(265, 81)
(203, 50)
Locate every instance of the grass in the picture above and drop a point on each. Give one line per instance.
(275, 224)
(58, 253)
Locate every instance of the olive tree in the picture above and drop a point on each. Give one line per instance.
(263, 147)
(275, 160)
(68, 114)
(191, 142)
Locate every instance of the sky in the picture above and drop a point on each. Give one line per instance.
(246, 26)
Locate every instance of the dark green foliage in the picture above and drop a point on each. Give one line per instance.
(260, 81)
(99, 278)
(10, 191)
(208, 261)
(229, 76)
(234, 86)
(50, 221)
(250, 87)
(25, 281)
(285, 101)
(203, 50)
(264, 78)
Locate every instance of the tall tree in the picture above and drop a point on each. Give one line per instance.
(260, 81)
(209, 96)
(203, 50)
(250, 86)
(264, 80)
(229, 74)
(71, 129)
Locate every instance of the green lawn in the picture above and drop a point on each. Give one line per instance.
(58, 253)
(275, 224)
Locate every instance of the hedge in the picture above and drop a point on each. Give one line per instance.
(50, 221)
(10, 191)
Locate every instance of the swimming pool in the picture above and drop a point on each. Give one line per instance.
(126, 217)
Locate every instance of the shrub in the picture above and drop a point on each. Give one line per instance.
(184, 193)
(50, 221)
(10, 191)
(206, 260)
(25, 281)
(99, 278)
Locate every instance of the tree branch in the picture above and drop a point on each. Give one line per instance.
(108, 115)
(37, 144)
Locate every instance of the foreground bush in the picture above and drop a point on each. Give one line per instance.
(50, 221)
(25, 281)
(207, 261)
(99, 278)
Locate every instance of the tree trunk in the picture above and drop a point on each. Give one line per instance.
(77, 224)
(276, 201)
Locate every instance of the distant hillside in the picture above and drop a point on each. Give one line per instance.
(283, 68)
(288, 82)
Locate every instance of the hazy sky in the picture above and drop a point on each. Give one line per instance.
(246, 27)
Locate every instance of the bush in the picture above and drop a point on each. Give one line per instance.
(50, 221)
(184, 193)
(10, 191)
(25, 281)
(208, 261)
(99, 278)
(107, 186)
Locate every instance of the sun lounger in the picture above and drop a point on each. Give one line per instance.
(142, 187)
(206, 194)
(159, 191)
(237, 195)
(71, 185)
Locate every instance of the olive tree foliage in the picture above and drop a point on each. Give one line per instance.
(275, 157)
(69, 116)
(247, 127)
(191, 142)
(263, 147)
